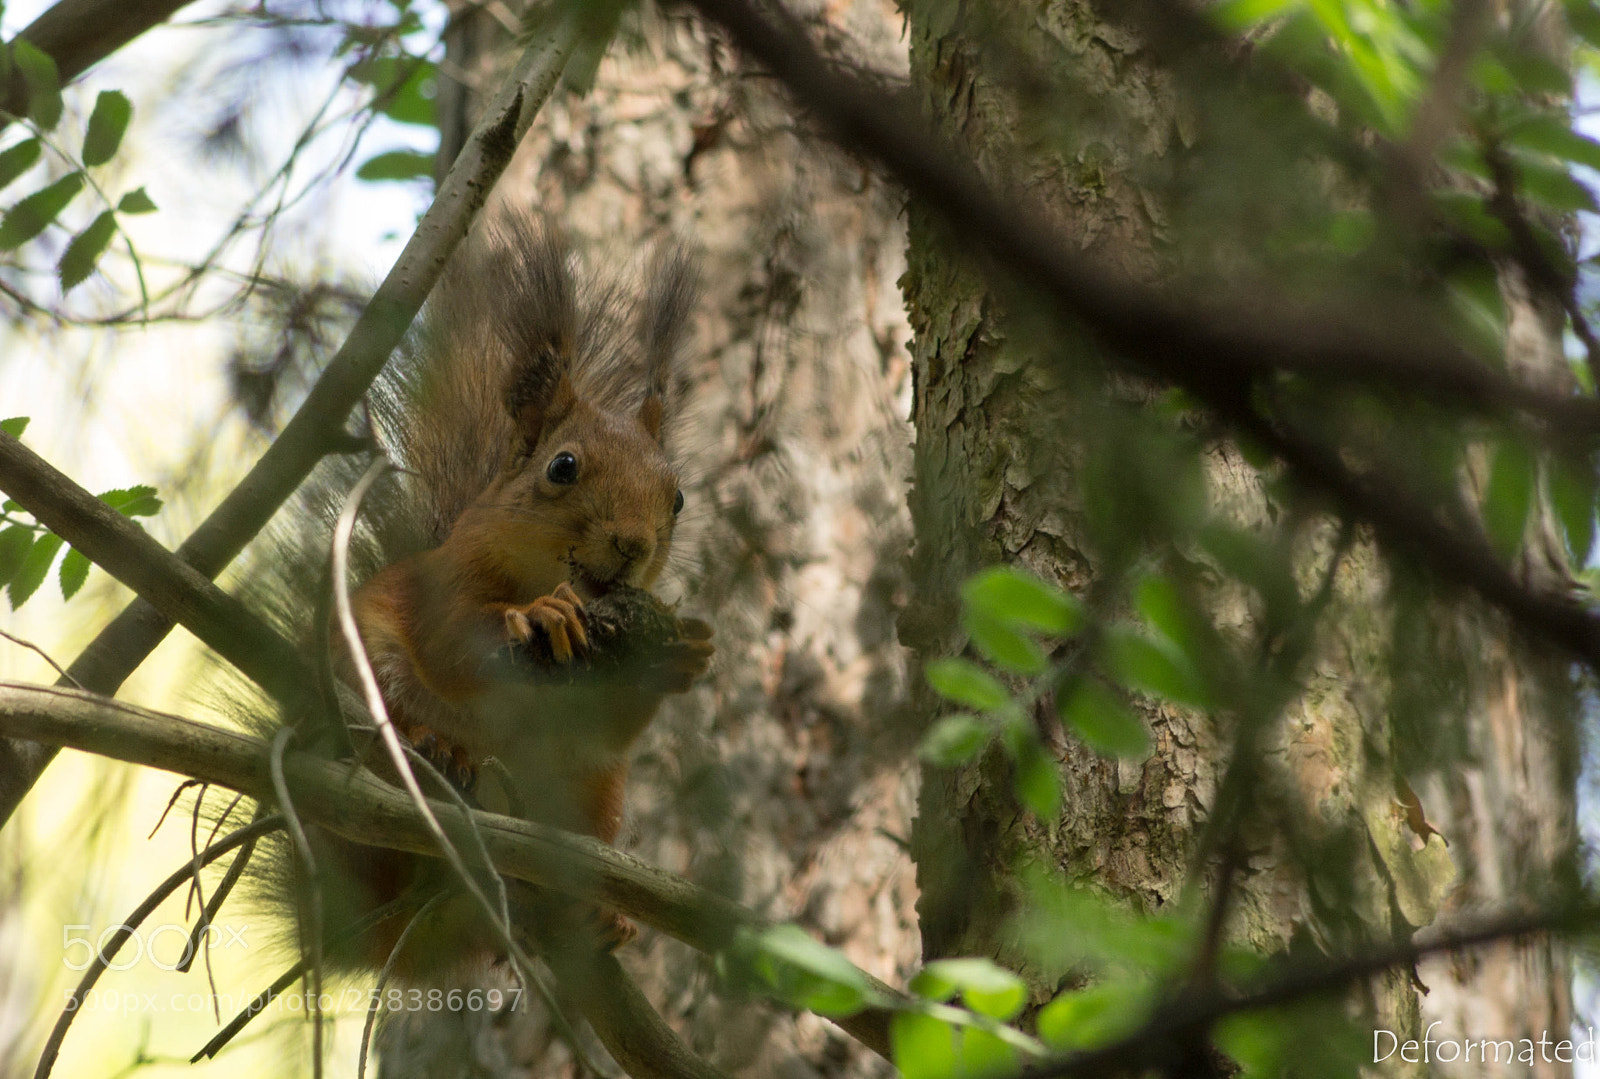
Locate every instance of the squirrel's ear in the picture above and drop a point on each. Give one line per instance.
(534, 417)
(650, 415)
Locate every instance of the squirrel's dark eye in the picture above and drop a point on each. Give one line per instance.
(563, 469)
(677, 503)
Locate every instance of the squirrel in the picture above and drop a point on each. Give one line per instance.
(531, 418)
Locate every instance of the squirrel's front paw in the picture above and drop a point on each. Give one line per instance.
(687, 658)
(559, 615)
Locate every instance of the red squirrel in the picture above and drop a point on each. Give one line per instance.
(530, 415)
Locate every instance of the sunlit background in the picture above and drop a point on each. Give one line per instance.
(151, 404)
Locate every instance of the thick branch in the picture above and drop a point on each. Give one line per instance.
(132, 556)
(1182, 337)
(1219, 351)
(358, 806)
(318, 427)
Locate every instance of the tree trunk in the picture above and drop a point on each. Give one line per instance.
(994, 482)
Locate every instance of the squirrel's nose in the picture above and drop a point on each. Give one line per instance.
(632, 547)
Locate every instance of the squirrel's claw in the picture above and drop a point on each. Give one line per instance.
(559, 615)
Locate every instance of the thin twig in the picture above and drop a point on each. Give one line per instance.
(383, 980)
(60, 670)
(130, 924)
(312, 890)
(198, 937)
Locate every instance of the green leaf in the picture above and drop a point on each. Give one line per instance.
(136, 202)
(1164, 607)
(955, 740)
(1237, 15)
(1011, 597)
(44, 84)
(14, 426)
(1256, 562)
(988, 989)
(923, 1047)
(1509, 496)
(1552, 185)
(1466, 211)
(1536, 74)
(405, 87)
(1102, 720)
(981, 1054)
(35, 565)
(1474, 291)
(139, 501)
(1061, 927)
(14, 545)
(964, 682)
(29, 217)
(74, 571)
(1572, 491)
(78, 260)
(1086, 1018)
(18, 159)
(1552, 135)
(1154, 667)
(1584, 18)
(397, 165)
(107, 124)
(1003, 646)
(808, 974)
(1269, 1044)
(1038, 781)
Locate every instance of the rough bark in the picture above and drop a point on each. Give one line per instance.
(988, 488)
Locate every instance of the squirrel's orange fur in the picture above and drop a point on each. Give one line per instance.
(531, 421)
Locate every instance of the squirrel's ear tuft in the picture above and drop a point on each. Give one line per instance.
(536, 302)
(535, 413)
(650, 416)
(536, 307)
(672, 288)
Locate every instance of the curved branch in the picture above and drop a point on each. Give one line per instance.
(358, 806)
